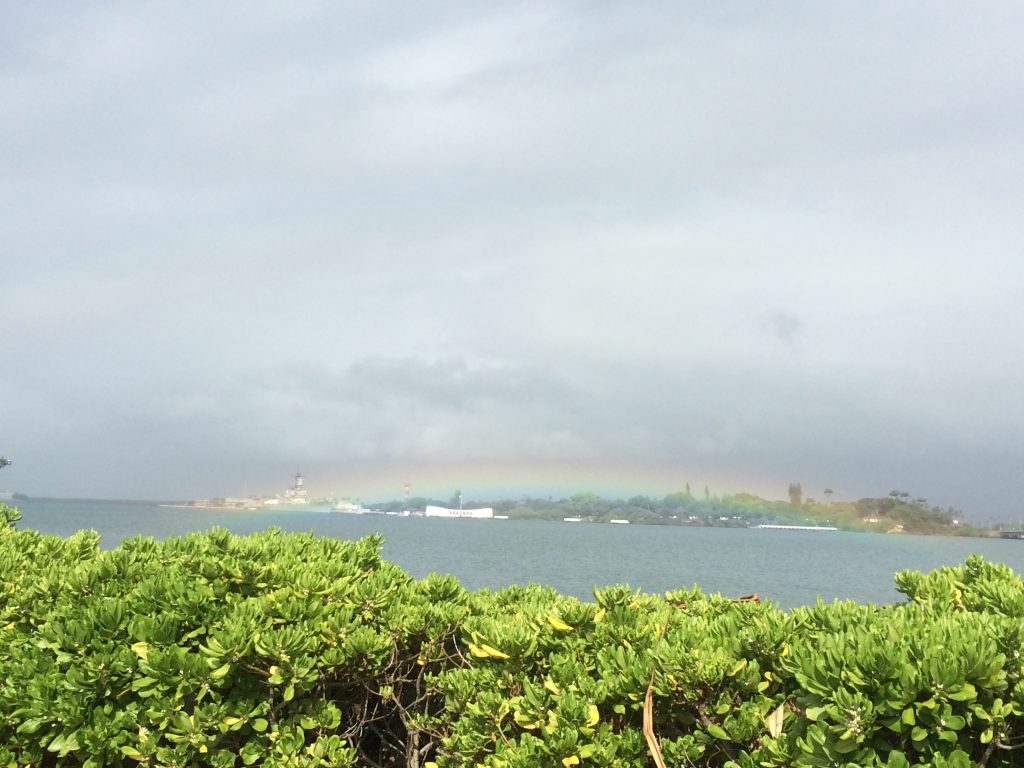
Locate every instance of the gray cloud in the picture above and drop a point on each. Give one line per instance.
(783, 326)
(342, 236)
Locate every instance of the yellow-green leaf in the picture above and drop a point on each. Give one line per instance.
(484, 651)
(141, 650)
(524, 721)
(813, 713)
(717, 731)
(558, 624)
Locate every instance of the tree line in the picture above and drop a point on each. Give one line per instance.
(897, 511)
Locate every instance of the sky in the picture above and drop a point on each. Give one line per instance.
(513, 249)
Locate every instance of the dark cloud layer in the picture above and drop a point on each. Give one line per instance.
(739, 240)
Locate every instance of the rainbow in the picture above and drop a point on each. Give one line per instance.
(497, 479)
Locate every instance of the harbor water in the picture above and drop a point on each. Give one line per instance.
(788, 567)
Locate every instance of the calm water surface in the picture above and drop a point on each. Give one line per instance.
(788, 567)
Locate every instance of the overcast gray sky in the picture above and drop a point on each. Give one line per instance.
(513, 248)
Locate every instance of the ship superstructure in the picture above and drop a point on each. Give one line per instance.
(294, 495)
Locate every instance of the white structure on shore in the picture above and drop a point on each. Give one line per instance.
(481, 514)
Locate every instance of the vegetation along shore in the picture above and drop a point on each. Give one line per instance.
(897, 512)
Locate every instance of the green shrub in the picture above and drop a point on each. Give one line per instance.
(281, 649)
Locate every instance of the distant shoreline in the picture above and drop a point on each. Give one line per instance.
(878, 515)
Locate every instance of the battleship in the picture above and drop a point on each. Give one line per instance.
(295, 498)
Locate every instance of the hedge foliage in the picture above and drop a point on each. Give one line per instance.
(279, 649)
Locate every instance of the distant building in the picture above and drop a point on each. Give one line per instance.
(481, 514)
